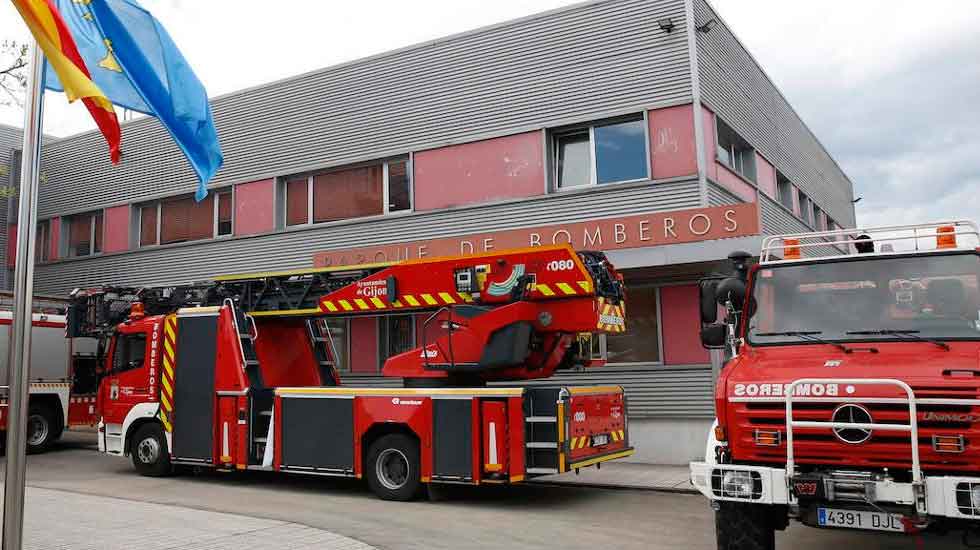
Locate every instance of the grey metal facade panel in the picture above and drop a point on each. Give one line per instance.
(777, 220)
(651, 391)
(10, 140)
(195, 261)
(737, 89)
(719, 196)
(563, 66)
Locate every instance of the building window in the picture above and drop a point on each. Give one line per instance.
(611, 152)
(734, 152)
(819, 222)
(223, 213)
(640, 343)
(396, 334)
(784, 189)
(84, 232)
(42, 242)
(184, 219)
(806, 208)
(348, 193)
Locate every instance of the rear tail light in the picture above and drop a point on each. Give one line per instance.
(948, 443)
(768, 438)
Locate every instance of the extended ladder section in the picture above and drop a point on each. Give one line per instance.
(323, 350)
(260, 398)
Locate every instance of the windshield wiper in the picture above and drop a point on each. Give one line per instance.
(901, 334)
(810, 335)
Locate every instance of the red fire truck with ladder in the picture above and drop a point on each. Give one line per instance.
(851, 394)
(240, 373)
(63, 379)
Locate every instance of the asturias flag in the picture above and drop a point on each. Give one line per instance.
(140, 68)
(54, 38)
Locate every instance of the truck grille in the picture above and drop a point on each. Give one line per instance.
(938, 423)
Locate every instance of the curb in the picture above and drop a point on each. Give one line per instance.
(688, 490)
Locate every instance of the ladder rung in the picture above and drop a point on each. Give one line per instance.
(326, 363)
(541, 419)
(251, 362)
(542, 445)
(246, 335)
(541, 470)
(259, 440)
(265, 413)
(321, 339)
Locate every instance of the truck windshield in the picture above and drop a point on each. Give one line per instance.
(929, 297)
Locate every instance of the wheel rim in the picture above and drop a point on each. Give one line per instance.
(37, 429)
(148, 450)
(392, 469)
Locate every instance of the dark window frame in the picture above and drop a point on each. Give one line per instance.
(556, 135)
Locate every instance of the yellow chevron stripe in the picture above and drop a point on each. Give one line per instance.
(378, 303)
(346, 305)
(361, 303)
(168, 366)
(166, 385)
(166, 421)
(165, 402)
(169, 329)
(447, 297)
(330, 306)
(397, 303)
(466, 296)
(544, 289)
(430, 300)
(615, 435)
(586, 286)
(411, 300)
(566, 288)
(168, 348)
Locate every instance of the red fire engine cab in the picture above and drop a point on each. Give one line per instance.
(240, 373)
(851, 394)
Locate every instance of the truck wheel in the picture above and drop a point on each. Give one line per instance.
(43, 428)
(393, 468)
(149, 451)
(741, 526)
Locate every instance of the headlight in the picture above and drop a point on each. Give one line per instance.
(975, 497)
(739, 484)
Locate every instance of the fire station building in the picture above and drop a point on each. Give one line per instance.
(639, 127)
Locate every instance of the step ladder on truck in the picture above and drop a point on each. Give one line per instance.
(241, 373)
(850, 397)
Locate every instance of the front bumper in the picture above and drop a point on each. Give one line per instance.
(943, 495)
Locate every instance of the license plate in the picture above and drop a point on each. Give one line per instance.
(860, 519)
(600, 440)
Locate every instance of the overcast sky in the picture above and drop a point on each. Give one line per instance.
(890, 88)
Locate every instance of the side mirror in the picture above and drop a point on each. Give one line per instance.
(713, 336)
(707, 294)
(731, 288)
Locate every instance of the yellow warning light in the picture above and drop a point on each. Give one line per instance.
(791, 249)
(946, 237)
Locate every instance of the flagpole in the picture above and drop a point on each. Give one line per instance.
(20, 342)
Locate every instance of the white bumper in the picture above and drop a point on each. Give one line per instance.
(940, 491)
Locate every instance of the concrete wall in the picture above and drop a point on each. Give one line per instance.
(668, 440)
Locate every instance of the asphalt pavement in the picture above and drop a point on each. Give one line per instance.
(514, 518)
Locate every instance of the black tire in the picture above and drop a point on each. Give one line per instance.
(149, 452)
(43, 428)
(393, 468)
(741, 526)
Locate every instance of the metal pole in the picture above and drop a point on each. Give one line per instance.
(20, 343)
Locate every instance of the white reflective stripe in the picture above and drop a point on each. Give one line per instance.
(493, 443)
(224, 441)
(267, 457)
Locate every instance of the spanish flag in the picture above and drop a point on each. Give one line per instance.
(59, 48)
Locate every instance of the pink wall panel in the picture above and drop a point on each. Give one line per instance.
(255, 207)
(55, 230)
(796, 200)
(364, 345)
(482, 171)
(765, 176)
(734, 183)
(681, 325)
(708, 127)
(116, 228)
(672, 145)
